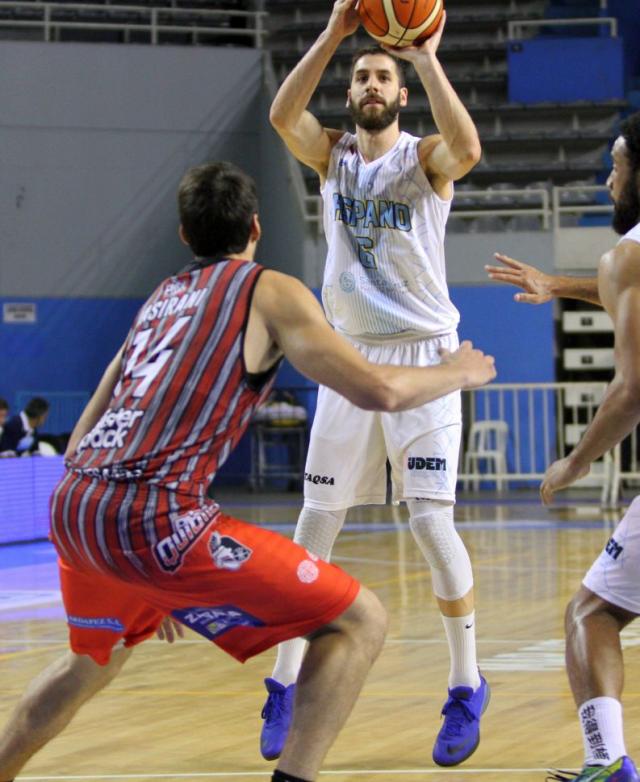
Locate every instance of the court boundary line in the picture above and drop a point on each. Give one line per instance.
(326, 772)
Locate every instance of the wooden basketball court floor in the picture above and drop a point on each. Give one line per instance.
(186, 711)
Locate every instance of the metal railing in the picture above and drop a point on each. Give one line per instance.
(559, 209)
(549, 211)
(524, 196)
(543, 422)
(153, 21)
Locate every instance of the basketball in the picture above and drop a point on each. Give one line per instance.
(400, 22)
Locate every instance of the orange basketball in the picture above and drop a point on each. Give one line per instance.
(400, 22)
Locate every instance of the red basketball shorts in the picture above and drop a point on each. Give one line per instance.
(242, 587)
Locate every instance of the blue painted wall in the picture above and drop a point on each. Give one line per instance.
(590, 69)
(69, 347)
(520, 336)
(66, 350)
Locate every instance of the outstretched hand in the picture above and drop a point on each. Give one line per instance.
(559, 475)
(537, 285)
(478, 368)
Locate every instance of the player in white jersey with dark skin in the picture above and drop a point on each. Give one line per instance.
(609, 597)
(387, 195)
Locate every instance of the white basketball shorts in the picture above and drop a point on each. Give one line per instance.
(349, 447)
(615, 575)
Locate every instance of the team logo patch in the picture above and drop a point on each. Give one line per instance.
(96, 623)
(347, 282)
(227, 552)
(187, 528)
(307, 571)
(215, 620)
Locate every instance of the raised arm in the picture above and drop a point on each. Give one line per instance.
(302, 333)
(540, 287)
(97, 405)
(456, 150)
(619, 412)
(305, 137)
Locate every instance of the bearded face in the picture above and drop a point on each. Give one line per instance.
(626, 209)
(623, 187)
(374, 114)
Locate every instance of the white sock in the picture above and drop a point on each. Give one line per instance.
(289, 660)
(316, 530)
(461, 636)
(602, 734)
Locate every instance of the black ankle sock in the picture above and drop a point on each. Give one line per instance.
(280, 776)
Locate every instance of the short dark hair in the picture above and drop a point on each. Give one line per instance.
(4, 405)
(36, 407)
(630, 132)
(217, 202)
(375, 49)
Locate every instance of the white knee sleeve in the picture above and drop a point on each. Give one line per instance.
(432, 525)
(317, 530)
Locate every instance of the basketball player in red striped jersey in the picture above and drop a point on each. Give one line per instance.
(139, 540)
(387, 196)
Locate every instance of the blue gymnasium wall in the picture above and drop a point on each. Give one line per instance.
(565, 69)
(66, 350)
(74, 339)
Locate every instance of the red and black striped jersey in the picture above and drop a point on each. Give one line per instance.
(184, 397)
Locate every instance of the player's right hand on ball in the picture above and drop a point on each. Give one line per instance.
(344, 19)
(478, 369)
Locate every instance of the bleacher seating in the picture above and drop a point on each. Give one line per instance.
(539, 145)
(523, 145)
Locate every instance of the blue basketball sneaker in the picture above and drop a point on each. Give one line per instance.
(276, 714)
(460, 733)
(622, 770)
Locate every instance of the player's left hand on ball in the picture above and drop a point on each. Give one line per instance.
(559, 475)
(170, 630)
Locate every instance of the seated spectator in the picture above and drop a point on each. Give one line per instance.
(4, 414)
(20, 433)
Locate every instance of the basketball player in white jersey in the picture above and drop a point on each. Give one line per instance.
(387, 195)
(609, 598)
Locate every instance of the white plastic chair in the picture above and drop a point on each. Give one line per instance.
(487, 442)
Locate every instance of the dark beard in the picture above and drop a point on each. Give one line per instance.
(375, 122)
(626, 211)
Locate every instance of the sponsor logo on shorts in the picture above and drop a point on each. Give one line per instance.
(96, 623)
(215, 620)
(427, 463)
(187, 528)
(111, 430)
(307, 571)
(613, 548)
(325, 480)
(227, 552)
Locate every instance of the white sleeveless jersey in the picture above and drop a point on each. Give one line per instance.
(385, 272)
(633, 235)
